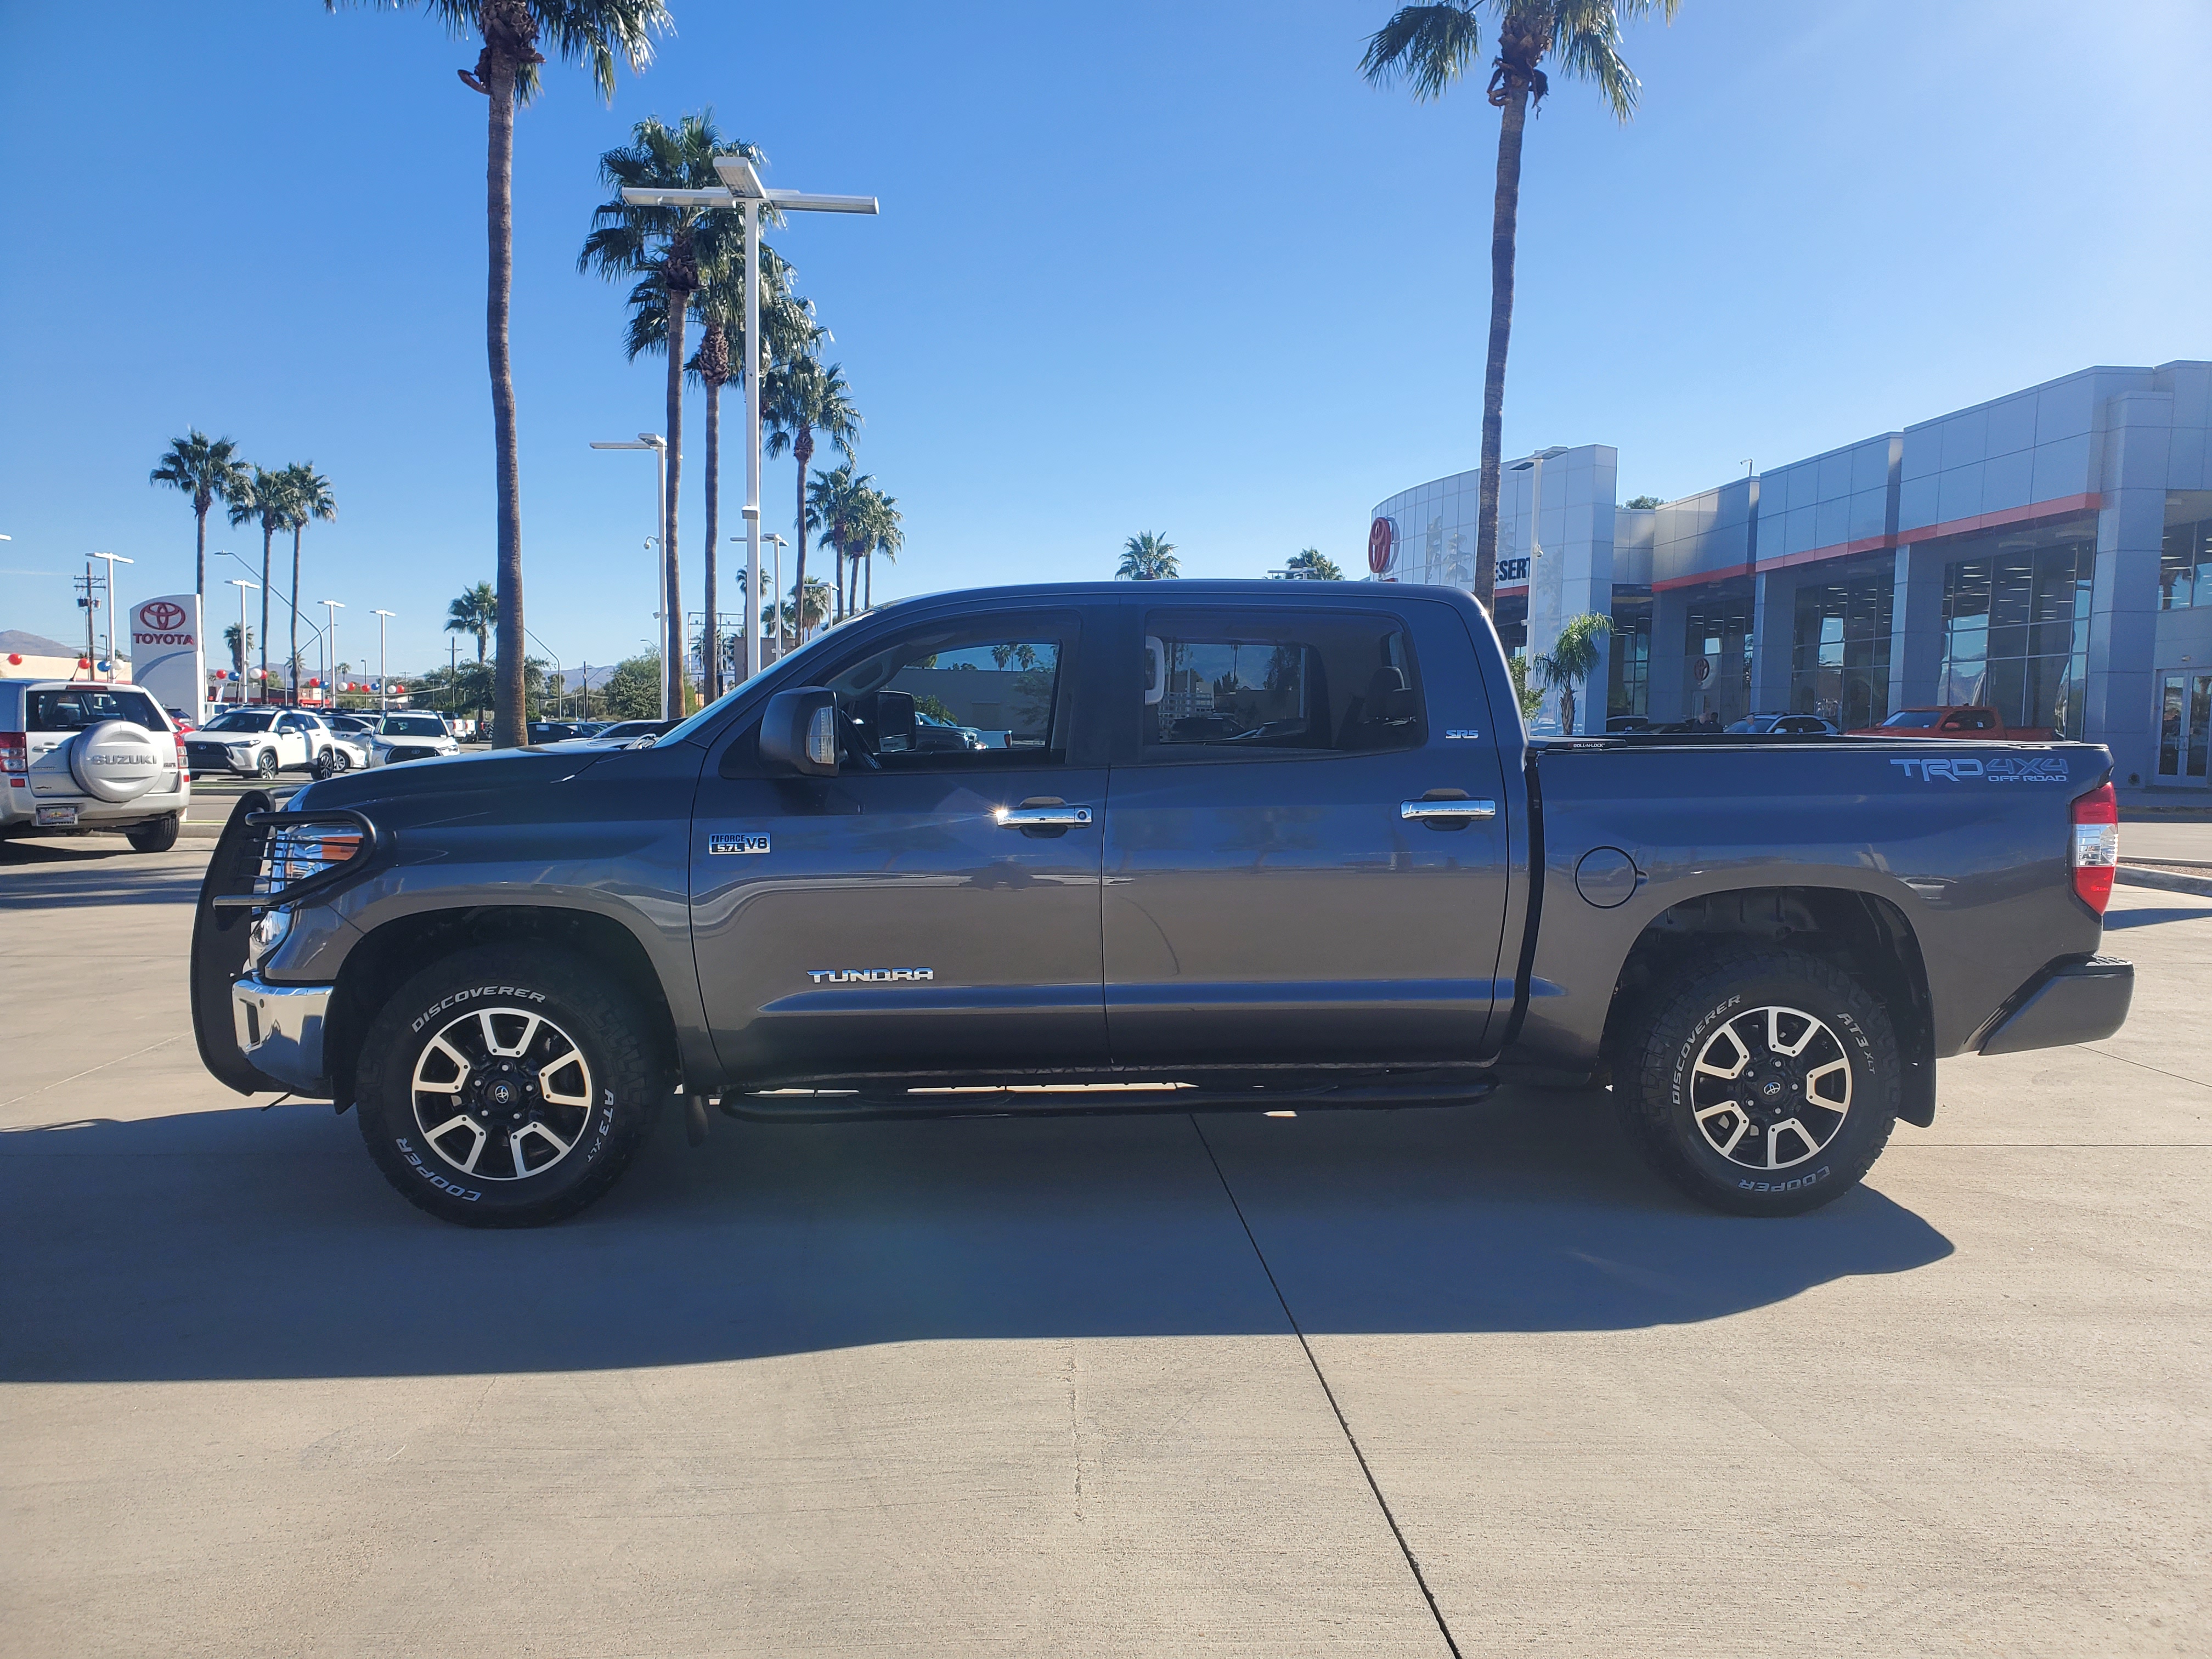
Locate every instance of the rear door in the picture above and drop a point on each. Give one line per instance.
(1276, 888)
(892, 917)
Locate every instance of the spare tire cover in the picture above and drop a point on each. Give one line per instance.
(118, 761)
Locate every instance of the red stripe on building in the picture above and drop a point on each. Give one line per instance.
(2058, 508)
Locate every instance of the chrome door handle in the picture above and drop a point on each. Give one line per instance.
(1032, 817)
(1448, 809)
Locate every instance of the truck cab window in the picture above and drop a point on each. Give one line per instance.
(955, 700)
(1283, 680)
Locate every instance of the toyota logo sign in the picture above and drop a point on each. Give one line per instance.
(161, 617)
(1382, 543)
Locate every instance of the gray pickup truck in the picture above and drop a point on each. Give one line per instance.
(1196, 846)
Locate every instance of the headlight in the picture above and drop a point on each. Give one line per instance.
(270, 928)
(237, 751)
(297, 854)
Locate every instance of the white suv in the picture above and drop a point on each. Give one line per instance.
(261, 742)
(76, 756)
(412, 736)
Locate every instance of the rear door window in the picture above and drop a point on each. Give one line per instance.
(1218, 684)
(81, 707)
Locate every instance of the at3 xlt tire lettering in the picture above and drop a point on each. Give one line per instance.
(508, 1085)
(1763, 1083)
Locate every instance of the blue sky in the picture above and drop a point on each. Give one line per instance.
(1139, 267)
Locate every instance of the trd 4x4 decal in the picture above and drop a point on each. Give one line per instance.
(1996, 768)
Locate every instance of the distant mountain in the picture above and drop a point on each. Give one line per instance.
(35, 645)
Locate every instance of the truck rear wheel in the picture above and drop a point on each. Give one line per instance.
(508, 1086)
(1761, 1083)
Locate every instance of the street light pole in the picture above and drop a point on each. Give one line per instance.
(331, 608)
(776, 599)
(742, 189)
(241, 658)
(658, 445)
(383, 679)
(113, 559)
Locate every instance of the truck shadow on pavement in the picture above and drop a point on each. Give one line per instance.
(61, 875)
(243, 1243)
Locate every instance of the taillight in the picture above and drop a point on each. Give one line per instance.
(2096, 852)
(14, 752)
(179, 738)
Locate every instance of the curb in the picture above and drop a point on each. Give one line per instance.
(2170, 881)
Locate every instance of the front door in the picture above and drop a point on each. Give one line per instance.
(1305, 860)
(2184, 714)
(907, 915)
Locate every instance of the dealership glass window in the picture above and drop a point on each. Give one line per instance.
(1717, 676)
(1509, 615)
(2184, 566)
(1628, 689)
(2016, 634)
(1840, 661)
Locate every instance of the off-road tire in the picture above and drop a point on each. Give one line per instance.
(159, 836)
(1679, 1023)
(264, 763)
(624, 1081)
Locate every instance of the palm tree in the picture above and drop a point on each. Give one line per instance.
(808, 397)
(885, 533)
(239, 639)
(207, 470)
(267, 502)
(1575, 655)
(475, 612)
(311, 499)
(1313, 565)
(665, 249)
(1148, 557)
(787, 331)
(1430, 47)
(596, 32)
(837, 509)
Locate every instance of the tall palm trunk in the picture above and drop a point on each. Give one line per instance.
(202, 500)
(802, 447)
(503, 58)
(711, 656)
(868, 583)
(480, 681)
(292, 662)
(1505, 221)
(671, 609)
(268, 535)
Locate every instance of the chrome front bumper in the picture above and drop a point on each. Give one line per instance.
(280, 1030)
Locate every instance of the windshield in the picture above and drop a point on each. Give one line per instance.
(811, 650)
(414, 726)
(240, 721)
(1915, 718)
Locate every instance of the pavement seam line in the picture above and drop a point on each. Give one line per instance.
(89, 1070)
(2160, 1070)
(1297, 1330)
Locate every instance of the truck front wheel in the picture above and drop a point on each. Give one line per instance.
(1762, 1083)
(506, 1087)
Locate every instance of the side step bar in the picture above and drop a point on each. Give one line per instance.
(1079, 1100)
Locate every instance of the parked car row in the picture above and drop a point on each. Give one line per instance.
(263, 742)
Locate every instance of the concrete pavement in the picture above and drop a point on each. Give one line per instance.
(1014, 1388)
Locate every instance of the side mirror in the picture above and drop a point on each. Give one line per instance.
(799, 732)
(888, 723)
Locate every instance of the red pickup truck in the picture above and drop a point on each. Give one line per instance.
(1979, 724)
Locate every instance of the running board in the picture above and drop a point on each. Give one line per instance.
(1085, 1100)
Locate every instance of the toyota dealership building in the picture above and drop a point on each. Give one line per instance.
(2048, 553)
